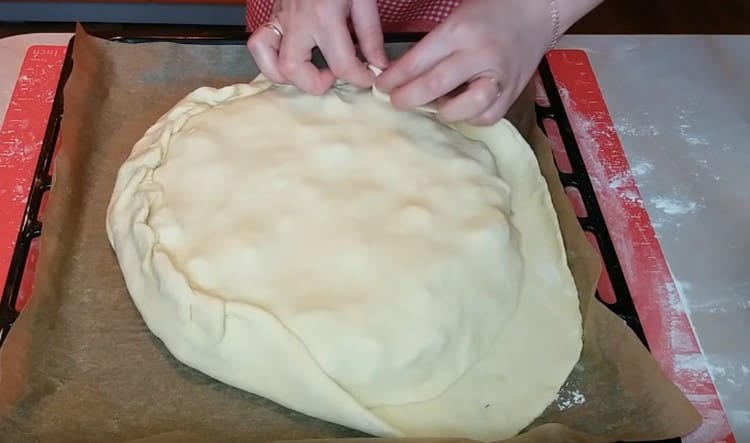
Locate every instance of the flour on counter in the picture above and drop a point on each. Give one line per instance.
(625, 127)
(641, 169)
(682, 286)
(690, 139)
(676, 292)
(685, 129)
(730, 371)
(673, 206)
(696, 364)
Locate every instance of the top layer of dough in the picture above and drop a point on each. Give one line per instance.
(359, 264)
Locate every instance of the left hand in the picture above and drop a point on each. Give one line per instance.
(285, 56)
(491, 46)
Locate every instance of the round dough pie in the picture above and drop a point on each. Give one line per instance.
(363, 265)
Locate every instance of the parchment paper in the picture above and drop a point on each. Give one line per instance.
(79, 364)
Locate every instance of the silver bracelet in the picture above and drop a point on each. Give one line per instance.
(555, 12)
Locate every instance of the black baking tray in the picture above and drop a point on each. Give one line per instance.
(553, 112)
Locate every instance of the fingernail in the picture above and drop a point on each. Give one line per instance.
(383, 61)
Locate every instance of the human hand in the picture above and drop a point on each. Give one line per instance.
(307, 24)
(493, 47)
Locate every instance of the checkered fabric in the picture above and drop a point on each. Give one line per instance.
(395, 15)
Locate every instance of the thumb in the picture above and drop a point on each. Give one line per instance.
(366, 23)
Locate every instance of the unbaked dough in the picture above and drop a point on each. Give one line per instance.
(362, 265)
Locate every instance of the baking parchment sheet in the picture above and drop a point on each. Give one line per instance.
(80, 365)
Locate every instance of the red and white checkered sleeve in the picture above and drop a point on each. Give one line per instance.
(414, 15)
(257, 12)
(395, 15)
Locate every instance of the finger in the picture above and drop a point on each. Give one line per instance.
(338, 50)
(366, 22)
(264, 47)
(495, 112)
(438, 81)
(417, 60)
(295, 65)
(478, 97)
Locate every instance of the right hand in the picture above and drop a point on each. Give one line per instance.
(307, 24)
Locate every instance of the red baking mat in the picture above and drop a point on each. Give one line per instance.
(20, 142)
(656, 297)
